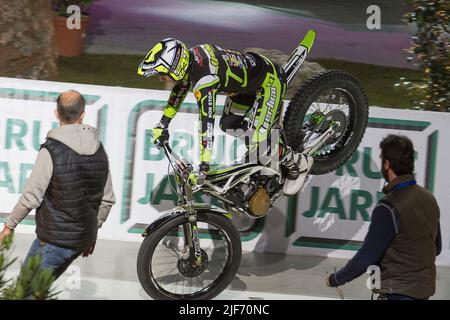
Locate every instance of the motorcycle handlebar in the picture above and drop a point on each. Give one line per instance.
(181, 163)
(169, 150)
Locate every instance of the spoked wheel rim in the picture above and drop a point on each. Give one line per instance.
(171, 268)
(335, 104)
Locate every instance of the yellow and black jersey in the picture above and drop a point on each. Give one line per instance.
(214, 70)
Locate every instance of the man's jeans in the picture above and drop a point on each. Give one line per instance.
(52, 257)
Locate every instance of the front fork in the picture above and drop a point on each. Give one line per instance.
(190, 229)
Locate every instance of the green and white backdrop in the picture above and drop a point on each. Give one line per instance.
(330, 218)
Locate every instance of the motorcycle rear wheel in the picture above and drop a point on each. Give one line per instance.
(332, 94)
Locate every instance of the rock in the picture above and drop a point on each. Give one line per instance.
(307, 70)
(27, 43)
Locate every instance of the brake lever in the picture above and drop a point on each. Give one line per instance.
(183, 167)
(160, 144)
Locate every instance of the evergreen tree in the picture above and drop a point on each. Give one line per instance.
(32, 283)
(430, 52)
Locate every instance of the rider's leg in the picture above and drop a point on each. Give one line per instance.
(233, 118)
(233, 121)
(265, 121)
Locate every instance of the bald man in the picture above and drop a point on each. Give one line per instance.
(70, 188)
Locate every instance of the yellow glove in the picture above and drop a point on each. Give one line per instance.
(160, 134)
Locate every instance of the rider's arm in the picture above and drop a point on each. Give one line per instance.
(176, 98)
(205, 91)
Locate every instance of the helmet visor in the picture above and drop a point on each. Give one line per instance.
(148, 70)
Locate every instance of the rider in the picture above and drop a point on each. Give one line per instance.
(254, 86)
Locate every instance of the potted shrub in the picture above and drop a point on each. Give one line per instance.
(69, 37)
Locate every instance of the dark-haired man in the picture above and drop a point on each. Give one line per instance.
(404, 235)
(70, 187)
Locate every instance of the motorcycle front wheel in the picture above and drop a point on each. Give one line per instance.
(166, 264)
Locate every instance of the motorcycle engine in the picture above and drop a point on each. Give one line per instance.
(259, 203)
(257, 197)
(254, 197)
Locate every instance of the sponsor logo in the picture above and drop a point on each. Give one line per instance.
(210, 98)
(233, 59)
(198, 57)
(212, 57)
(270, 108)
(176, 60)
(197, 95)
(197, 250)
(180, 64)
(209, 130)
(175, 99)
(253, 121)
(210, 104)
(209, 135)
(250, 59)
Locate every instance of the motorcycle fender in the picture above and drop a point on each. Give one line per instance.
(168, 215)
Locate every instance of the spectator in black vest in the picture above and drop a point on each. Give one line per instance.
(404, 235)
(70, 188)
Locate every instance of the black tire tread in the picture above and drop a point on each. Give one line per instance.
(150, 242)
(306, 95)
